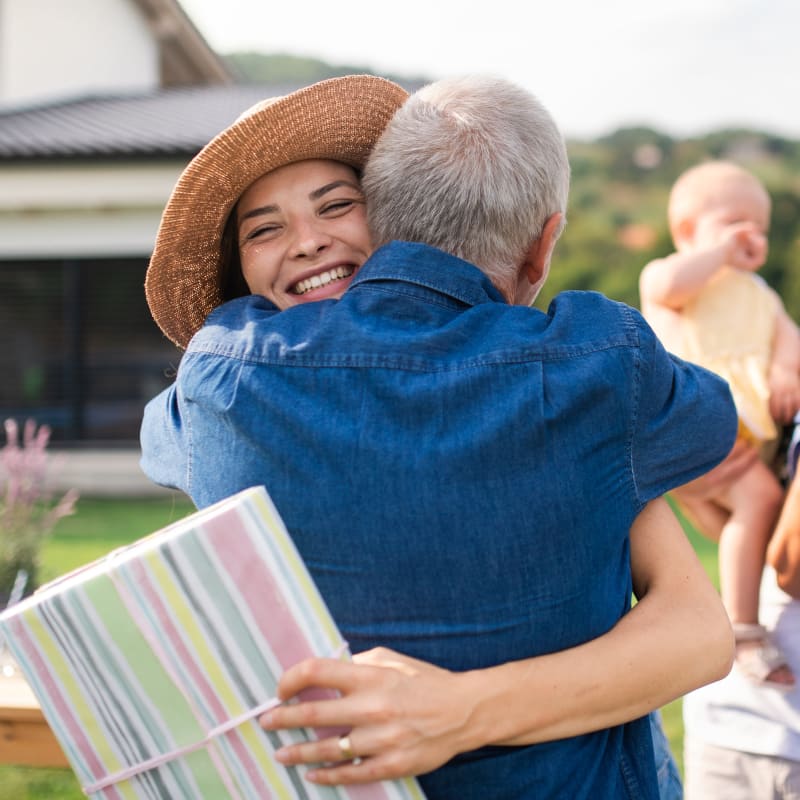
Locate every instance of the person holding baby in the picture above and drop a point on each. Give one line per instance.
(708, 305)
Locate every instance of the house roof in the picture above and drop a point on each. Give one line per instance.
(168, 123)
(186, 58)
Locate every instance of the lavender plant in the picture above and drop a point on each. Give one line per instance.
(28, 511)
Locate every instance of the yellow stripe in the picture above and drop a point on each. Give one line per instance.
(277, 775)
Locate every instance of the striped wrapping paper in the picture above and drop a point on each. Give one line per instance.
(147, 650)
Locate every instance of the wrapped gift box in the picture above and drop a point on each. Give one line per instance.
(150, 664)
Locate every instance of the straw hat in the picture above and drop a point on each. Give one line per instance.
(338, 119)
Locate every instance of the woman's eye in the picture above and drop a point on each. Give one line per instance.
(338, 206)
(261, 231)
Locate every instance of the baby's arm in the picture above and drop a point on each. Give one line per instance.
(675, 280)
(784, 370)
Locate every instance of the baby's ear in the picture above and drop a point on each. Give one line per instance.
(683, 232)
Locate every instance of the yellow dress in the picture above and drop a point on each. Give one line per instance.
(729, 328)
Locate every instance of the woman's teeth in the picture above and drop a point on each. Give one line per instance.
(323, 279)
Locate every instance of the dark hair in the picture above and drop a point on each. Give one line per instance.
(231, 279)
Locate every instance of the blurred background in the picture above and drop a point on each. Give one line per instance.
(103, 102)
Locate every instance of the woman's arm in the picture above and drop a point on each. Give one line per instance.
(407, 717)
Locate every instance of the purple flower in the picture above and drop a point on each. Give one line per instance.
(28, 511)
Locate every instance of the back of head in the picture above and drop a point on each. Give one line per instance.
(474, 166)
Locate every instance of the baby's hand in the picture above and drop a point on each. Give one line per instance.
(748, 248)
(743, 245)
(784, 398)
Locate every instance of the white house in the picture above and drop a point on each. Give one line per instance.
(72, 162)
(102, 103)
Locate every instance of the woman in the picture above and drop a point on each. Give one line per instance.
(292, 216)
(196, 261)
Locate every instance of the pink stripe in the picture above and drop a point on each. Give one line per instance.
(259, 590)
(367, 791)
(150, 597)
(54, 705)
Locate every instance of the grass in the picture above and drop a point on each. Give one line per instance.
(102, 525)
(29, 783)
(672, 714)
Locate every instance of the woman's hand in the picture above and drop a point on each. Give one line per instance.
(404, 716)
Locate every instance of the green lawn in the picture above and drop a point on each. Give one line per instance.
(100, 526)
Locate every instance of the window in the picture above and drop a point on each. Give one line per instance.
(81, 352)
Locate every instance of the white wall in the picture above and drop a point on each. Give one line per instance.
(51, 49)
(83, 211)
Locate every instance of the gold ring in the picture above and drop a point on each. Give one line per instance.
(346, 748)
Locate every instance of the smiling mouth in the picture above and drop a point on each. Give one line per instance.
(322, 279)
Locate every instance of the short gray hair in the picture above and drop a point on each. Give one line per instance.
(474, 166)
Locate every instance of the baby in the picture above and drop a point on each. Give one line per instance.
(708, 306)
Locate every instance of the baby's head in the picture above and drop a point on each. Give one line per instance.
(720, 189)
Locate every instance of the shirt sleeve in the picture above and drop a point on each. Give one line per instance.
(165, 442)
(686, 422)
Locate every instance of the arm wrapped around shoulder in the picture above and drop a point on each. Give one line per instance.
(164, 441)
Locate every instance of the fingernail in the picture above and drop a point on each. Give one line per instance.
(265, 720)
(282, 755)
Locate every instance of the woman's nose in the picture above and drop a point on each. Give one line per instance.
(310, 240)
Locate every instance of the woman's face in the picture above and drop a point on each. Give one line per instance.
(302, 232)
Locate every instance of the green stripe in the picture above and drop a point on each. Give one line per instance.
(172, 712)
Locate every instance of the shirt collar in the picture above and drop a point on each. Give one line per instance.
(427, 266)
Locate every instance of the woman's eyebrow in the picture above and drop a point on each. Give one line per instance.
(328, 187)
(257, 212)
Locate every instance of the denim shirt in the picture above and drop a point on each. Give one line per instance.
(459, 474)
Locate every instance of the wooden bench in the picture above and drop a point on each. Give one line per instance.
(25, 737)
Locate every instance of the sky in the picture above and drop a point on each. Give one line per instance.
(684, 67)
